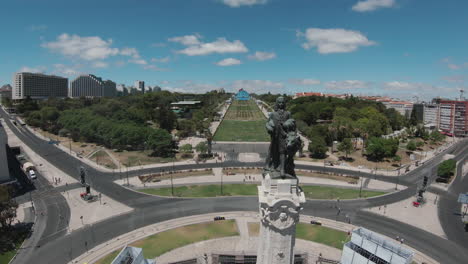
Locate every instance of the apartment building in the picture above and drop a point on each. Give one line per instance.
(431, 114)
(453, 117)
(140, 85)
(92, 86)
(38, 86)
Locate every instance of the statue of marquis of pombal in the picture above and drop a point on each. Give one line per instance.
(284, 143)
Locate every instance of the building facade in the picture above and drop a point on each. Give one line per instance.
(454, 117)
(38, 86)
(140, 85)
(5, 92)
(242, 95)
(92, 86)
(431, 114)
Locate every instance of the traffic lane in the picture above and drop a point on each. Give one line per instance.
(449, 208)
(442, 250)
(58, 217)
(80, 241)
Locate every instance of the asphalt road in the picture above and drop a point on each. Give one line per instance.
(150, 209)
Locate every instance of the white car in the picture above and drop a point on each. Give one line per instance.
(32, 174)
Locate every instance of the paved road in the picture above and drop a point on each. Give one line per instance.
(149, 209)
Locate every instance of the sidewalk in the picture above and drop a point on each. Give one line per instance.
(92, 212)
(251, 179)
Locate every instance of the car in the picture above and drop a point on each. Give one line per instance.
(32, 174)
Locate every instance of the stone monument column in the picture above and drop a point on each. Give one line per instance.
(280, 202)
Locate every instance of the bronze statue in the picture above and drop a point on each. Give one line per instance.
(284, 142)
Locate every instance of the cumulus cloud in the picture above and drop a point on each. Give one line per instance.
(455, 78)
(38, 69)
(262, 56)
(304, 82)
(220, 46)
(153, 68)
(130, 52)
(187, 40)
(239, 3)
(228, 62)
(347, 85)
(334, 40)
(189, 86)
(87, 48)
(371, 5)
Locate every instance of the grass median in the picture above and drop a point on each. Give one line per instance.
(160, 243)
(214, 190)
(319, 234)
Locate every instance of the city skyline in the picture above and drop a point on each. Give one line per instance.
(397, 48)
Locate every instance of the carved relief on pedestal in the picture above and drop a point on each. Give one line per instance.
(280, 216)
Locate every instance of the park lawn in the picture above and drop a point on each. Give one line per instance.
(325, 192)
(244, 110)
(214, 190)
(211, 190)
(7, 256)
(319, 234)
(323, 235)
(247, 131)
(158, 244)
(102, 158)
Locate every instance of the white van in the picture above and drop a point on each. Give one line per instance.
(32, 174)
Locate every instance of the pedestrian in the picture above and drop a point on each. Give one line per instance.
(402, 240)
(397, 238)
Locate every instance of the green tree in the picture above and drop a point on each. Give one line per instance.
(346, 146)
(446, 168)
(8, 207)
(436, 136)
(380, 148)
(186, 148)
(318, 148)
(202, 147)
(411, 145)
(160, 141)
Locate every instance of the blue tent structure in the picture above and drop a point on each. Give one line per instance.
(242, 95)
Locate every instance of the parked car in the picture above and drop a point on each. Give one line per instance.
(32, 174)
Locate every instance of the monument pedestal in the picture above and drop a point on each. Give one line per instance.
(280, 202)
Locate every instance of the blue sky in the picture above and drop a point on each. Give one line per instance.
(400, 48)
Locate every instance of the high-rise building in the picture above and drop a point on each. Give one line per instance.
(454, 117)
(140, 85)
(431, 114)
(5, 92)
(38, 86)
(92, 86)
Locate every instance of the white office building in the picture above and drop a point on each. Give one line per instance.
(38, 86)
(140, 85)
(367, 247)
(92, 86)
(431, 114)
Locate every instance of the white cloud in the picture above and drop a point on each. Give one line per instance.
(130, 52)
(305, 82)
(162, 60)
(158, 45)
(262, 56)
(335, 40)
(86, 48)
(221, 45)
(138, 61)
(453, 66)
(259, 86)
(420, 89)
(187, 40)
(38, 69)
(62, 69)
(455, 78)
(371, 5)
(100, 64)
(239, 3)
(189, 87)
(228, 62)
(347, 85)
